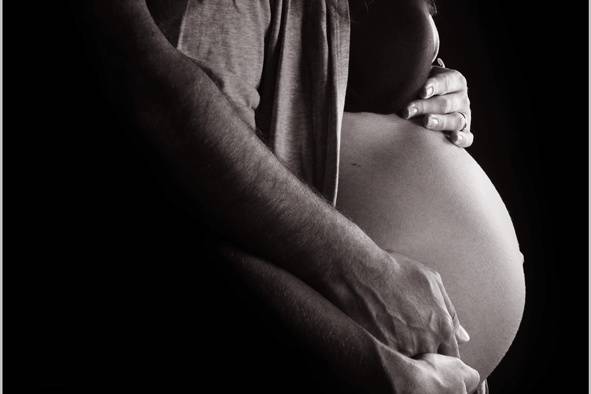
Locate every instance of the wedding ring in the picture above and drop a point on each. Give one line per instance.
(465, 121)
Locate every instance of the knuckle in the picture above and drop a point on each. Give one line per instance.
(464, 80)
(466, 101)
(415, 272)
(434, 80)
(476, 375)
(421, 106)
(446, 105)
(459, 364)
(426, 278)
(460, 78)
(446, 328)
(428, 273)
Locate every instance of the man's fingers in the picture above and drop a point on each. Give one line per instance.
(450, 347)
(460, 333)
(444, 82)
(449, 122)
(451, 373)
(471, 377)
(482, 388)
(463, 139)
(438, 105)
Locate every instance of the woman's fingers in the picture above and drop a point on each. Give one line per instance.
(445, 105)
(439, 105)
(443, 81)
(451, 122)
(460, 134)
(463, 139)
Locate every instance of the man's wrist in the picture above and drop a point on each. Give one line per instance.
(350, 278)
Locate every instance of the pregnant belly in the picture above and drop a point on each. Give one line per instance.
(413, 192)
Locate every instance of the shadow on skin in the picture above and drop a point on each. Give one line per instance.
(414, 192)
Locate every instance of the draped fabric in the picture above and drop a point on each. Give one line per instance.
(284, 65)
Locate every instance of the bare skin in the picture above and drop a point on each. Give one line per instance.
(257, 203)
(444, 102)
(355, 354)
(413, 192)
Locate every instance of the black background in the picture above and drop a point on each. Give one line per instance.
(85, 221)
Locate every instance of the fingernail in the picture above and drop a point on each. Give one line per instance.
(463, 334)
(432, 122)
(428, 91)
(411, 111)
(459, 139)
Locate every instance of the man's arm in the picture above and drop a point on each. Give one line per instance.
(254, 200)
(355, 355)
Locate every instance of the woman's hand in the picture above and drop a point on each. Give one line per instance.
(444, 102)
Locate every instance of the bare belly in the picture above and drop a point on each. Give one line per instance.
(414, 192)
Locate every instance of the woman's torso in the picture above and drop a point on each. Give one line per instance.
(393, 44)
(415, 193)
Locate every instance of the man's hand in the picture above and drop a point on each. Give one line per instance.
(444, 102)
(243, 191)
(406, 307)
(358, 358)
(428, 373)
(438, 374)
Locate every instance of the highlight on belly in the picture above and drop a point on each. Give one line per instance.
(414, 192)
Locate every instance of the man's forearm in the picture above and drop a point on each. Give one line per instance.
(221, 162)
(356, 357)
(257, 203)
